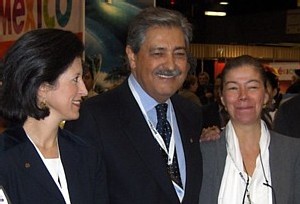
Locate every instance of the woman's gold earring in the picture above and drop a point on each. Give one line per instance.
(43, 104)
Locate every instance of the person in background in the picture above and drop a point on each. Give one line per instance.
(117, 76)
(189, 89)
(3, 122)
(42, 86)
(215, 117)
(215, 113)
(249, 163)
(287, 117)
(205, 89)
(275, 97)
(149, 134)
(295, 86)
(88, 79)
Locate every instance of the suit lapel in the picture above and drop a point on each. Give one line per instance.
(70, 157)
(32, 165)
(187, 138)
(138, 132)
(190, 143)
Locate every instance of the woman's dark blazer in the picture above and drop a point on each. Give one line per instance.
(26, 179)
(284, 164)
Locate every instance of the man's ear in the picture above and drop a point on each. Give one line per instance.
(131, 57)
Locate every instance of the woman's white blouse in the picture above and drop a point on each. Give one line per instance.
(234, 180)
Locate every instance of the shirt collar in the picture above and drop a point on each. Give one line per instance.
(147, 101)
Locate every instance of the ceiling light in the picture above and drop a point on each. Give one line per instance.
(224, 3)
(214, 13)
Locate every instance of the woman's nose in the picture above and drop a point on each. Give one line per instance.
(82, 89)
(242, 95)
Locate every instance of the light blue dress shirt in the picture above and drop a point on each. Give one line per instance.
(149, 104)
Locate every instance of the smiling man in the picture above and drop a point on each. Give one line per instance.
(149, 134)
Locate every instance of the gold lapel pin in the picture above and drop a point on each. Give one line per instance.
(27, 165)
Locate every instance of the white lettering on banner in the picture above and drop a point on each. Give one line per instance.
(20, 16)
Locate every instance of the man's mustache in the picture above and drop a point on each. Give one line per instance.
(168, 72)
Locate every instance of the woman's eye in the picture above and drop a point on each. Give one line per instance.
(76, 79)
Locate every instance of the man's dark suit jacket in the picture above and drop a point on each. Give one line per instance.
(26, 179)
(287, 118)
(135, 167)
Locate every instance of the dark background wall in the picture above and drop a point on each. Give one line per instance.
(247, 21)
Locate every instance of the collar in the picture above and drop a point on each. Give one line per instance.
(147, 101)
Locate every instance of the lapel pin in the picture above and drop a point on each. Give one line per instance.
(191, 140)
(27, 165)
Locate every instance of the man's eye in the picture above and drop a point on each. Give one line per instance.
(157, 53)
(180, 53)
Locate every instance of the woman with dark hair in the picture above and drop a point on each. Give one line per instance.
(43, 86)
(275, 97)
(249, 163)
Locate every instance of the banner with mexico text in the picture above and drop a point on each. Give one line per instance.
(19, 16)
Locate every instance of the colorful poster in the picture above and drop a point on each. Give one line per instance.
(19, 16)
(106, 28)
(285, 70)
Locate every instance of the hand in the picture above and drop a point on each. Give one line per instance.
(209, 95)
(210, 133)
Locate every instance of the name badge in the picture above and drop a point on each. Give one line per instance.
(3, 196)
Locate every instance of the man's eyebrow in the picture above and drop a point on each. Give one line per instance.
(157, 48)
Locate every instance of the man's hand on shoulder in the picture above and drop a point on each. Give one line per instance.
(210, 133)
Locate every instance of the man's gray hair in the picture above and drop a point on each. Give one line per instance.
(160, 17)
